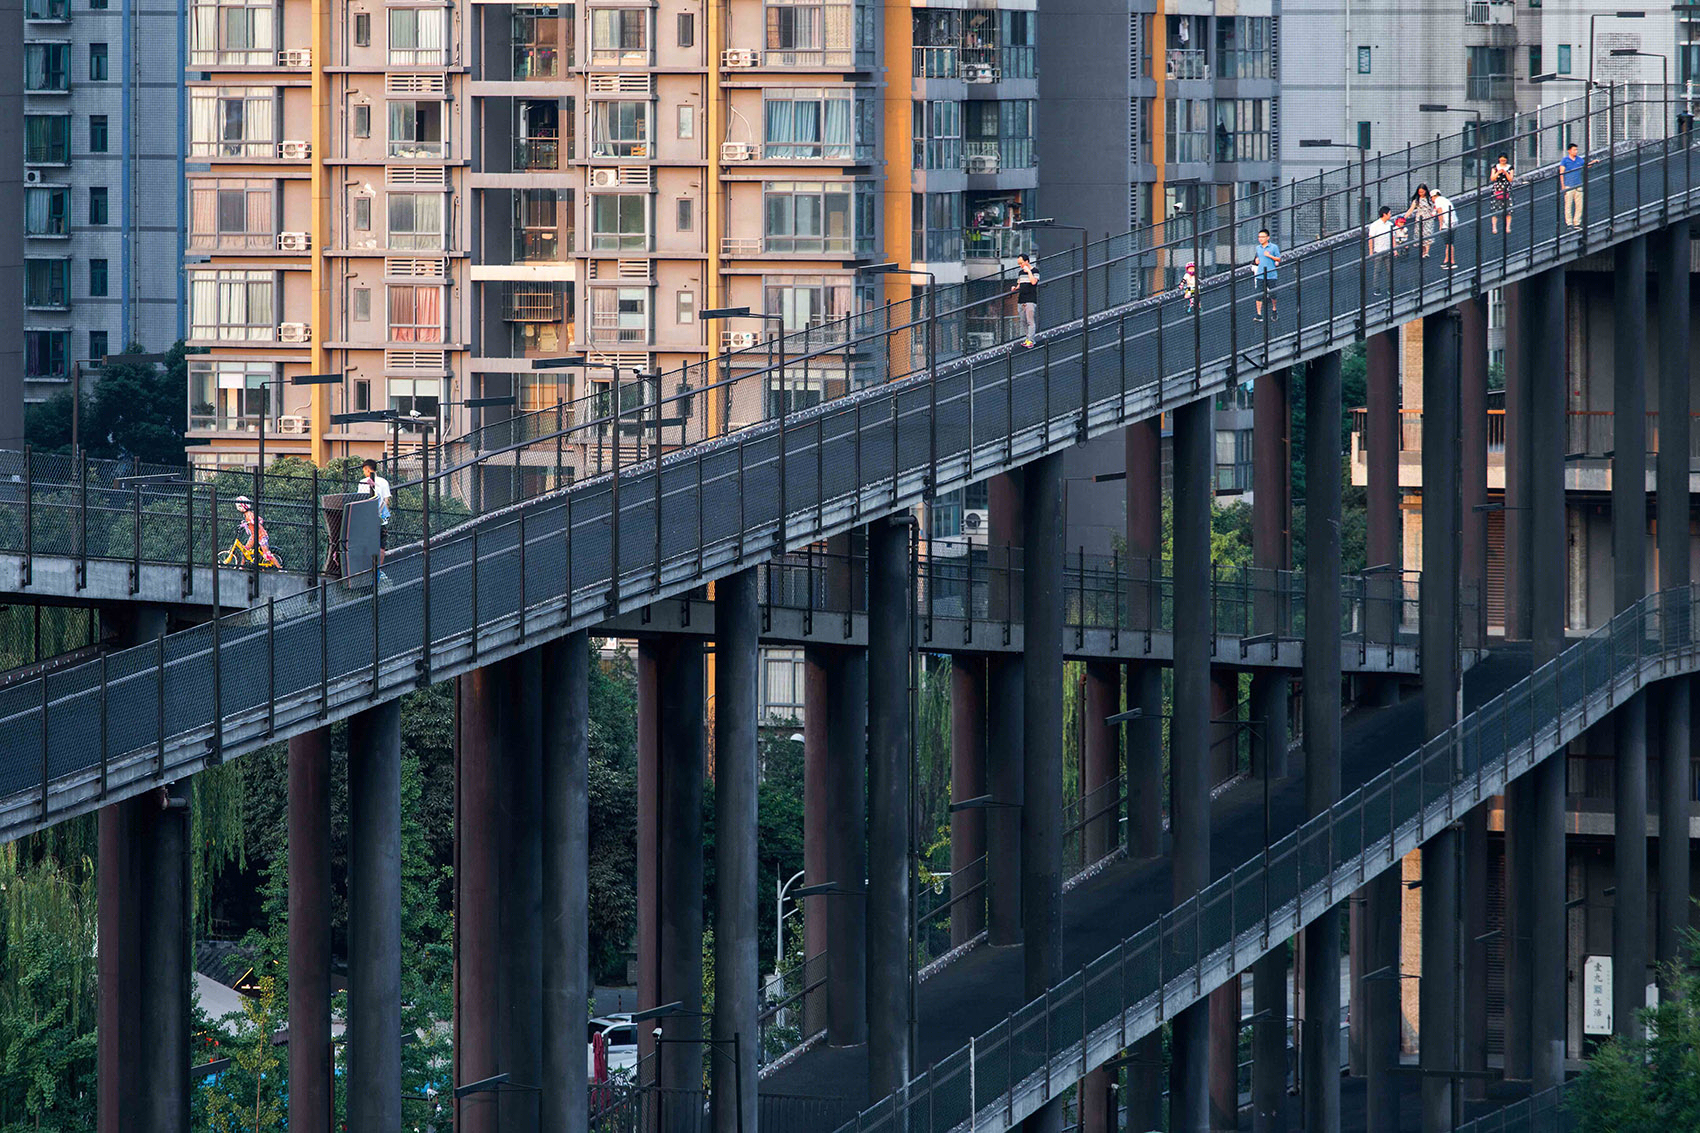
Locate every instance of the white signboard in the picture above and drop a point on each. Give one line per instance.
(1596, 995)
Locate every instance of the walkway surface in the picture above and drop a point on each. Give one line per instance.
(972, 995)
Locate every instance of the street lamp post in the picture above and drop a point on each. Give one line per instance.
(1475, 138)
(932, 361)
(1608, 15)
(1664, 79)
(715, 313)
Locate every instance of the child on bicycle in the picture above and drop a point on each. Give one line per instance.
(1189, 287)
(255, 529)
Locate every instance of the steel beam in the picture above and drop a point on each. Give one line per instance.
(374, 918)
(888, 973)
(565, 988)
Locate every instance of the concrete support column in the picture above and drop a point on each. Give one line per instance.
(374, 918)
(163, 1066)
(1269, 1042)
(1382, 437)
(565, 991)
(1004, 720)
(310, 1055)
(1520, 323)
(835, 724)
(1271, 511)
(1472, 470)
(1042, 735)
(1102, 758)
(1674, 250)
(1548, 888)
(1223, 1005)
(478, 747)
(1382, 1015)
(670, 866)
(1142, 448)
(1320, 1048)
(967, 781)
(1194, 443)
(519, 834)
(119, 938)
(1438, 646)
(736, 1029)
(888, 973)
(1629, 572)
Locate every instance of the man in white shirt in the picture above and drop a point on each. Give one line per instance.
(1445, 216)
(1380, 250)
(374, 484)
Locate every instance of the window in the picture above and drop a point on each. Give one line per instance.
(536, 36)
(45, 352)
(99, 345)
(46, 10)
(619, 222)
(416, 129)
(1535, 60)
(686, 220)
(1020, 44)
(1363, 136)
(1001, 130)
(362, 219)
(938, 135)
(232, 306)
(823, 217)
(1245, 48)
(362, 119)
(239, 32)
(814, 124)
(99, 205)
(47, 283)
(782, 684)
(619, 36)
(231, 214)
(687, 29)
(1487, 72)
(416, 37)
(1564, 58)
(687, 121)
(806, 301)
(97, 133)
(362, 29)
(97, 5)
(1242, 130)
(809, 33)
(620, 129)
(97, 279)
(537, 225)
(47, 66)
(47, 139)
(228, 394)
(1366, 61)
(360, 299)
(619, 314)
(1186, 53)
(1188, 129)
(415, 395)
(685, 308)
(97, 62)
(233, 122)
(416, 221)
(47, 211)
(938, 226)
(416, 314)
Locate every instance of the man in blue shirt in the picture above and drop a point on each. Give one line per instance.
(1266, 259)
(1570, 172)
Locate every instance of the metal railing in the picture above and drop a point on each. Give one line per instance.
(1046, 1046)
(887, 431)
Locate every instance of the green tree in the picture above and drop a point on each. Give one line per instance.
(129, 410)
(1649, 1085)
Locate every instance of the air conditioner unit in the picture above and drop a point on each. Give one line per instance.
(293, 241)
(982, 163)
(292, 424)
(979, 73)
(299, 57)
(738, 339)
(295, 150)
(738, 57)
(737, 151)
(976, 526)
(980, 339)
(32, 176)
(294, 332)
(604, 178)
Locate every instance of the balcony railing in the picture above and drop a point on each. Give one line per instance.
(606, 328)
(1482, 12)
(533, 304)
(540, 153)
(541, 245)
(1487, 88)
(831, 59)
(1187, 63)
(996, 243)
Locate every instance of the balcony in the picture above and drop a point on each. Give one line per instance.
(540, 153)
(996, 243)
(994, 155)
(1482, 13)
(1186, 63)
(47, 11)
(614, 329)
(1488, 88)
(537, 61)
(532, 303)
(542, 245)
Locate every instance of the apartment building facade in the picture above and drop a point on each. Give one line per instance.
(486, 184)
(103, 203)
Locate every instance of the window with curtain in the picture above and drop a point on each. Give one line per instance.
(810, 33)
(47, 211)
(416, 313)
(46, 9)
(47, 139)
(47, 67)
(811, 124)
(47, 283)
(416, 221)
(229, 394)
(938, 134)
(619, 222)
(231, 214)
(1242, 130)
(45, 353)
(619, 36)
(416, 37)
(416, 128)
(1188, 132)
(233, 122)
(822, 217)
(239, 32)
(620, 128)
(806, 301)
(233, 306)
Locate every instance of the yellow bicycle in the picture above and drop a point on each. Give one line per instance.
(238, 555)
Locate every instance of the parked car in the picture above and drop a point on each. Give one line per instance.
(619, 1033)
